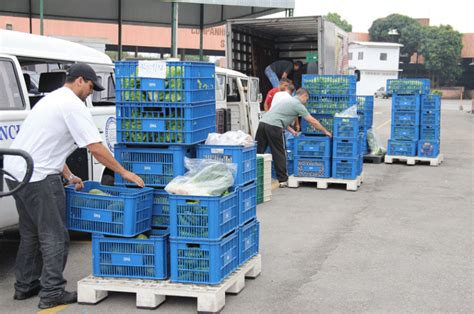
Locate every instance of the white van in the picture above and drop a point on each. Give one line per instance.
(239, 93)
(30, 67)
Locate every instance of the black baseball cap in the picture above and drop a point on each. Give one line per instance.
(85, 70)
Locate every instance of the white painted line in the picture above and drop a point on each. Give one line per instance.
(383, 124)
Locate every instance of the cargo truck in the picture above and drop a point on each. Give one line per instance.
(253, 44)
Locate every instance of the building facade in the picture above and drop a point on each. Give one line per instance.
(375, 63)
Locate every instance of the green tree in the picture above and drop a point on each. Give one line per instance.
(337, 19)
(441, 47)
(398, 28)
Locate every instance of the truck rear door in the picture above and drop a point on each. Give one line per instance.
(254, 99)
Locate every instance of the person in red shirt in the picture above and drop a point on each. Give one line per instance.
(284, 83)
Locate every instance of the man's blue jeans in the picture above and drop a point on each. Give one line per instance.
(44, 242)
(272, 77)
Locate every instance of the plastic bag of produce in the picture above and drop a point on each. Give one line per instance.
(374, 143)
(204, 178)
(350, 112)
(230, 138)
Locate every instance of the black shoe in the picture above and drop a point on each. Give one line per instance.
(26, 295)
(65, 298)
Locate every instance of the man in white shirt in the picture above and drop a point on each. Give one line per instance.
(55, 127)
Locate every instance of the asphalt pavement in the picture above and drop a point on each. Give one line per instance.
(402, 243)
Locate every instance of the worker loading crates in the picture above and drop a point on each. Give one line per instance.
(416, 115)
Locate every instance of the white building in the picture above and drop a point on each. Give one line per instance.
(376, 62)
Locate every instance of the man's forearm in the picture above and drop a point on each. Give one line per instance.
(317, 125)
(105, 157)
(67, 172)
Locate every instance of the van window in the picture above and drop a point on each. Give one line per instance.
(245, 86)
(254, 90)
(233, 90)
(97, 95)
(107, 96)
(110, 87)
(10, 95)
(220, 87)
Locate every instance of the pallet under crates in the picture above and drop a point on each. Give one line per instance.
(151, 293)
(413, 160)
(322, 183)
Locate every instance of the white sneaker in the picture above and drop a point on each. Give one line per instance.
(283, 184)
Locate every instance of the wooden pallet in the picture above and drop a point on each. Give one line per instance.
(322, 183)
(412, 160)
(151, 293)
(373, 159)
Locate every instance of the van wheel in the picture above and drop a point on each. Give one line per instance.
(107, 179)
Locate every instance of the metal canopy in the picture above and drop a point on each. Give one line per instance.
(156, 12)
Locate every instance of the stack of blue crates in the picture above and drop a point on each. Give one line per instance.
(347, 154)
(159, 121)
(328, 95)
(365, 111)
(210, 236)
(429, 143)
(414, 111)
(313, 152)
(115, 216)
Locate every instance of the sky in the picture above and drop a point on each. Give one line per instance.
(361, 13)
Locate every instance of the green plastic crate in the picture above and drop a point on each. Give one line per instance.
(260, 164)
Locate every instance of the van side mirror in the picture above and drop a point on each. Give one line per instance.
(259, 97)
(357, 74)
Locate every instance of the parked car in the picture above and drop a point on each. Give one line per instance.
(380, 93)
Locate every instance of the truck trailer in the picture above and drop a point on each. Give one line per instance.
(253, 44)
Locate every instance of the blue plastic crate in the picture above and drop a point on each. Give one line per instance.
(431, 118)
(345, 148)
(312, 167)
(289, 167)
(363, 147)
(121, 211)
(164, 124)
(131, 257)
(430, 102)
(361, 165)
(249, 238)
(401, 148)
(161, 209)
(326, 85)
(408, 86)
(244, 157)
(346, 168)
(204, 262)
(326, 120)
(406, 118)
(428, 148)
(405, 103)
(346, 127)
(365, 103)
(156, 166)
(203, 217)
(183, 82)
(312, 146)
(430, 133)
(329, 104)
(361, 116)
(405, 133)
(247, 202)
